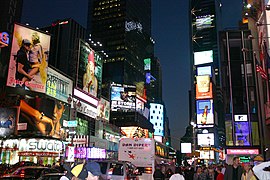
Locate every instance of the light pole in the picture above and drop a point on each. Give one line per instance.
(209, 143)
(194, 125)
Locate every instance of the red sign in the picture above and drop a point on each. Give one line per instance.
(242, 151)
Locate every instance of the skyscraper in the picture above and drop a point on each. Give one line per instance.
(124, 30)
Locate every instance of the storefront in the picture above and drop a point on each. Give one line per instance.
(37, 150)
(244, 154)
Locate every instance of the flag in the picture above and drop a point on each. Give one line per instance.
(260, 69)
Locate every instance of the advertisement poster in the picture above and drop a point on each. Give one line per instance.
(29, 59)
(43, 117)
(8, 120)
(58, 86)
(139, 151)
(103, 109)
(123, 97)
(205, 113)
(89, 70)
(242, 133)
(203, 87)
(203, 57)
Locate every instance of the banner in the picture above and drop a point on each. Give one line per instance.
(103, 109)
(29, 59)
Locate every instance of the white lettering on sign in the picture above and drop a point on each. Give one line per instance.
(39, 145)
(87, 110)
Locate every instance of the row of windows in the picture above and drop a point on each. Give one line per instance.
(107, 2)
(157, 117)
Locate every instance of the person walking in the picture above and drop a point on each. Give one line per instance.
(178, 174)
(234, 171)
(199, 175)
(248, 173)
(158, 174)
(220, 176)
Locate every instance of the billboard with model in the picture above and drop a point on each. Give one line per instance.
(29, 59)
(8, 120)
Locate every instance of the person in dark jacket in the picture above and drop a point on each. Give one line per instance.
(234, 171)
(158, 175)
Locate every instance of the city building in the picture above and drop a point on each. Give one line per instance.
(124, 30)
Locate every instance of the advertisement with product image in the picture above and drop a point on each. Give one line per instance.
(203, 87)
(29, 59)
(205, 113)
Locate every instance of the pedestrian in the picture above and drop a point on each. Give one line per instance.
(234, 171)
(178, 174)
(248, 173)
(262, 170)
(220, 176)
(199, 175)
(158, 175)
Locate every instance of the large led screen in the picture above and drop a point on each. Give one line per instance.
(205, 111)
(203, 87)
(203, 22)
(203, 57)
(8, 120)
(206, 139)
(242, 133)
(89, 70)
(205, 70)
(123, 97)
(58, 85)
(157, 118)
(43, 117)
(29, 59)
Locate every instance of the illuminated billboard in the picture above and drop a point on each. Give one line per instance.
(89, 70)
(58, 85)
(29, 59)
(4, 39)
(157, 118)
(135, 132)
(205, 154)
(203, 22)
(147, 64)
(242, 133)
(240, 117)
(8, 121)
(103, 109)
(205, 70)
(203, 57)
(43, 117)
(186, 148)
(123, 97)
(206, 139)
(205, 111)
(203, 87)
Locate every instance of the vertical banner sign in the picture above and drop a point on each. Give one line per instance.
(29, 59)
(89, 70)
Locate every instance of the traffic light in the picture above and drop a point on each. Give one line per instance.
(167, 143)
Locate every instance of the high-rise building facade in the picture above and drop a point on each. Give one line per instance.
(124, 30)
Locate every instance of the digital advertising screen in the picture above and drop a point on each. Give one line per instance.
(205, 70)
(186, 148)
(205, 111)
(58, 86)
(203, 57)
(147, 64)
(240, 118)
(135, 132)
(29, 59)
(242, 133)
(123, 97)
(157, 118)
(8, 121)
(44, 117)
(206, 139)
(103, 109)
(203, 22)
(89, 70)
(204, 87)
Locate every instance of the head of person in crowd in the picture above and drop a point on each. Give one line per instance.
(236, 161)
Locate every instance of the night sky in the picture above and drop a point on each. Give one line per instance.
(170, 32)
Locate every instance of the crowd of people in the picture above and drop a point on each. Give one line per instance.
(235, 171)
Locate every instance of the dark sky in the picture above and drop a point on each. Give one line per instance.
(170, 32)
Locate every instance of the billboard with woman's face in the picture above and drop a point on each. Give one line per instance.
(29, 59)
(89, 70)
(43, 117)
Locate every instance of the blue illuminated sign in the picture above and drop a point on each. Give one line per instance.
(4, 39)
